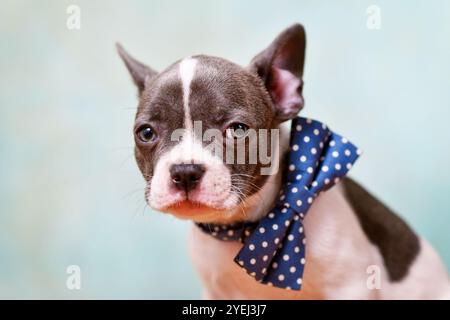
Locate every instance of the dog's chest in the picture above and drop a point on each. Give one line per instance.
(221, 276)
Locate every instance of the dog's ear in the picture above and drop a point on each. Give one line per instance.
(280, 66)
(139, 71)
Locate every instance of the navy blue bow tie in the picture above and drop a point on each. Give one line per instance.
(274, 247)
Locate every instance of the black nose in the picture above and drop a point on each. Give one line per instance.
(186, 176)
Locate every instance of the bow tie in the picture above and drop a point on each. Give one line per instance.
(274, 247)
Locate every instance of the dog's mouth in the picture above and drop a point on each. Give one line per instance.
(199, 212)
(187, 209)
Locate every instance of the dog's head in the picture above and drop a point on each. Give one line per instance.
(203, 104)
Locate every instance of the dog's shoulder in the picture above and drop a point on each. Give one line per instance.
(397, 243)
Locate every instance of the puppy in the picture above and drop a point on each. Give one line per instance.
(357, 248)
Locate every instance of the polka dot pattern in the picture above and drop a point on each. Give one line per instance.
(274, 248)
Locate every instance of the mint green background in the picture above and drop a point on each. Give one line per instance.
(70, 192)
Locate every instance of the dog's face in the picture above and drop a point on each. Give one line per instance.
(200, 121)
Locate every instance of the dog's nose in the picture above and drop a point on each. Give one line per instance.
(186, 176)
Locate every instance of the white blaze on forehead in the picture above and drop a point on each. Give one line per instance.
(187, 70)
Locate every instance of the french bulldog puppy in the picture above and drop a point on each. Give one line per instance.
(353, 239)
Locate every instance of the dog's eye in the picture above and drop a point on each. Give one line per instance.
(146, 134)
(236, 130)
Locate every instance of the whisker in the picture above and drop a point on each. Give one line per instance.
(132, 192)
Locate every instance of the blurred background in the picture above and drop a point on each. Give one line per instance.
(70, 192)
